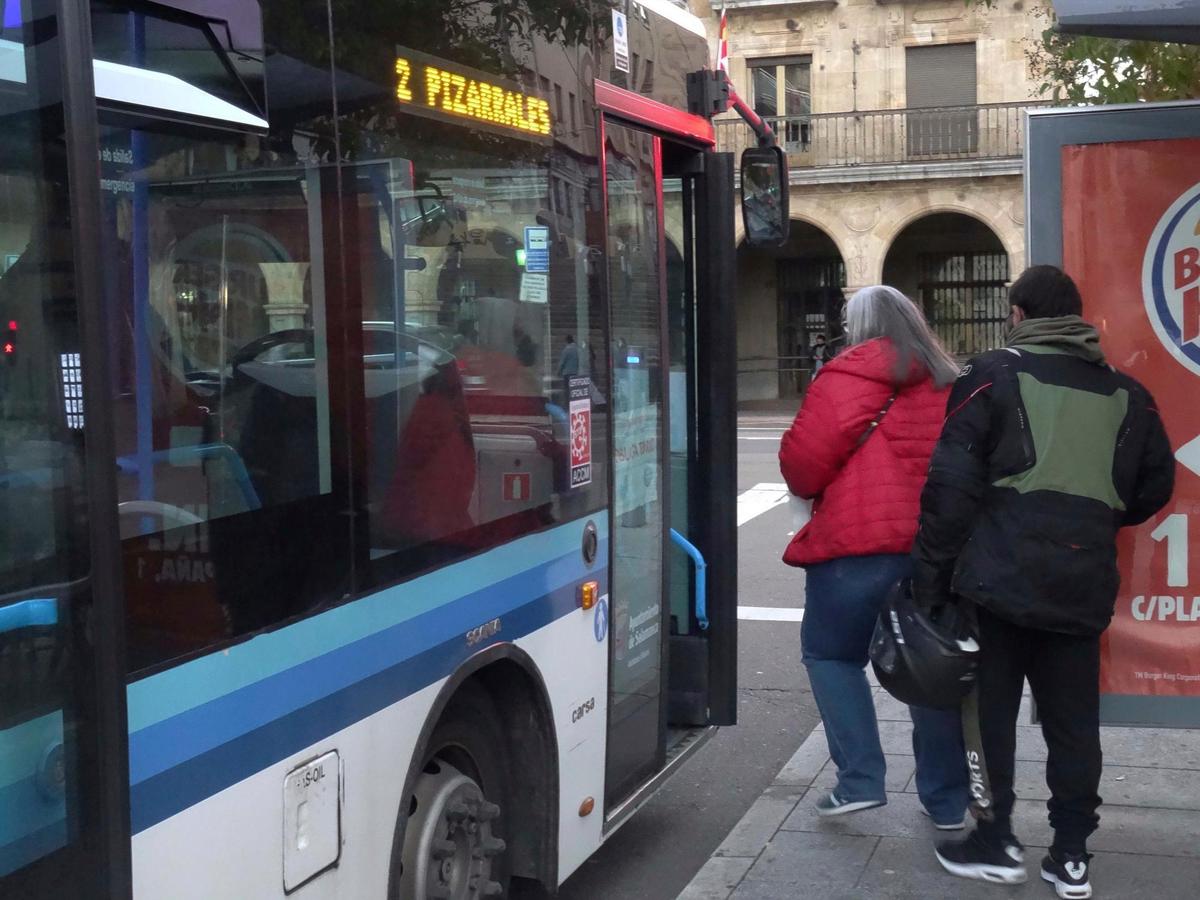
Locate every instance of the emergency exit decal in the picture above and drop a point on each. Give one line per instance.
(1131, 238)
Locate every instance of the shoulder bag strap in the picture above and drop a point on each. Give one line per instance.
(874, 423)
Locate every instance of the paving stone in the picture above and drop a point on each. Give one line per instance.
(1150, 877)
(759, 823)
(906, 869)
(717, 878)
(1153, 747)
(899, 773)
(1147, 844)
(896, 738)
(1165, 748)
(806, 865)
(889, 709)
(1123, 829)
(1123, 786)
(902, 817)
(807, 762)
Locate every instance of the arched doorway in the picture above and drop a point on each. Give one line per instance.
(787, 296)
(957, 269)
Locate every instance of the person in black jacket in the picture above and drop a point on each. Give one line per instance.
(1046, 452)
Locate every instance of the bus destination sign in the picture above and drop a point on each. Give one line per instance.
(433, 87)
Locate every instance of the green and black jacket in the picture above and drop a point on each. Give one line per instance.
(1045, 454)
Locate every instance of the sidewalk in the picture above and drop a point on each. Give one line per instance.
(1148, 845)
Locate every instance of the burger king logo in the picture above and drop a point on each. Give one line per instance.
(1171, 279)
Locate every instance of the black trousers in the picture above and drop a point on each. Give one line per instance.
(1064, 675)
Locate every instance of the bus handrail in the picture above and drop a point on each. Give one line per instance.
(28, 614)
(698, 558)
(129, 465)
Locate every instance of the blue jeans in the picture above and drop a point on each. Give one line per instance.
(842, 603)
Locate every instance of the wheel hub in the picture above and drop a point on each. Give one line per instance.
(449, 847)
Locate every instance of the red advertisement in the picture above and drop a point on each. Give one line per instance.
(1131, 238)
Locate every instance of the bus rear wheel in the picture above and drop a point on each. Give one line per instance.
(452, 844)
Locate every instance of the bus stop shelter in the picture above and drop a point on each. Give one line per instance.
(1149, 20)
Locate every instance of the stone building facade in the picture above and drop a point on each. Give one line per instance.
(903, 124)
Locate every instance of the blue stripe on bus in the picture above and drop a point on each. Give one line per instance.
(171, 742)
(33, 846)
(169, 693)
(23, 747)
(160, 796)
(31, 826)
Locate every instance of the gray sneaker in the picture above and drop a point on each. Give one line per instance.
(832, 805)
(957, 825)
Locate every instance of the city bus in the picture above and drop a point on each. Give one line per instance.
(367, 437)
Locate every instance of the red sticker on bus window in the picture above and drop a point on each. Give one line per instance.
(579, 409)
(517, 485)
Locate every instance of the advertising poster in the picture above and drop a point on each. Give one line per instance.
(1131, 238)
(636, 455)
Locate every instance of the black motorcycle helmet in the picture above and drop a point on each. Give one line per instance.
(923, 658)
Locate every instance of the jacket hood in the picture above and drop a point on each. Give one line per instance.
(1064, 334)
(874, 360)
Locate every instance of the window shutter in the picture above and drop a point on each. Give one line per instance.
(941, 76)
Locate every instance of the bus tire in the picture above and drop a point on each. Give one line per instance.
(453, 845)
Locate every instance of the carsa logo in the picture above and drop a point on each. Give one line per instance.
(1171, 279)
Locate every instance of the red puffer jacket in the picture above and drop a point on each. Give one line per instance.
(866, 498)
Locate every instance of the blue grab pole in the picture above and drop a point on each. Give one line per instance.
(130, 465)
(28, 614)
(701, 566)
(143, 391)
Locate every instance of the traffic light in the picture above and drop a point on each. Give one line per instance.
(9, 347)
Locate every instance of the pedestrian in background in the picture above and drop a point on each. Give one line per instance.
(860, 447)
(1047, 451)
(568, 362)
(820, 351)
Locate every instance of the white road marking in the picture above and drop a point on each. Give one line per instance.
(770, 614)
(759, 499)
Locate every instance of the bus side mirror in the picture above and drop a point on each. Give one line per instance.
(765, 196)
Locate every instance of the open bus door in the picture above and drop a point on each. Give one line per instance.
(672, 615)
(63, 814)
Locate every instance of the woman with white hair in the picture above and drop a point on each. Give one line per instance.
(860, 449)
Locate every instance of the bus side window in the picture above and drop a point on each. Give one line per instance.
(228, 488)
(467, 441)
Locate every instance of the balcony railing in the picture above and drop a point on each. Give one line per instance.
(892, 136)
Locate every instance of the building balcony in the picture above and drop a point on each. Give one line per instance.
(894, 144)
(718, 5)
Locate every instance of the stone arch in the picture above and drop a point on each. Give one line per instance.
(840, 240)
(900, 217)
(786, 296)
(957, 268)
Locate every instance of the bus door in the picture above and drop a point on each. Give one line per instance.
(673, 543)
(62, 795)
